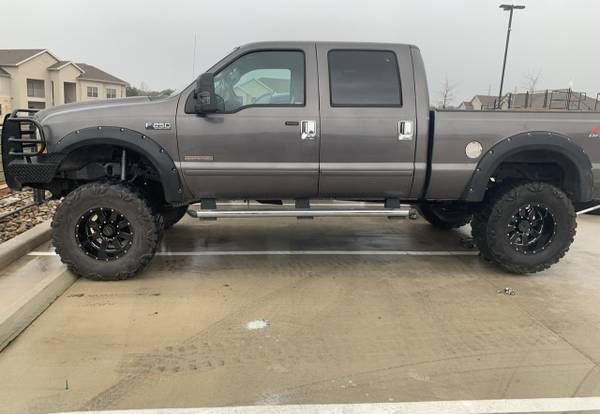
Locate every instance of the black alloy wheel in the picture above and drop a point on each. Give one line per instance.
(531, 228)
(104, 233)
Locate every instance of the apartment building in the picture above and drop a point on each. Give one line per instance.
(36, 78)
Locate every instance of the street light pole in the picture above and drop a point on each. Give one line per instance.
(510, 8)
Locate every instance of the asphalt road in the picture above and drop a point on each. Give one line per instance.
(205, 325)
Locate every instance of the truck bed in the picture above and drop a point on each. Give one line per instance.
(451, 169)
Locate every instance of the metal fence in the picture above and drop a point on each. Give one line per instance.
(547, 100)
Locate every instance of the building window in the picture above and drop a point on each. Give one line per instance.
(364, 78)
(111, 93)
(35, 88)
(92, 92)
(36, 105)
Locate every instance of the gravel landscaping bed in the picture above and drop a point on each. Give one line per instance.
(24, 220)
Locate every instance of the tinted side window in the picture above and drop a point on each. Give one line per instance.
(364, 78)
(269, 78)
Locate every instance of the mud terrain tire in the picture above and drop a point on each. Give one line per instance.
(525, 228)
(76, 219)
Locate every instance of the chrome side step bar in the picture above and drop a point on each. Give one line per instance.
(589, 209)
(309, 212)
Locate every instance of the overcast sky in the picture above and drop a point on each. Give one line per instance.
(152, 41)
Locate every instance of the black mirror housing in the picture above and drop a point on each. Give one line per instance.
(206, 101)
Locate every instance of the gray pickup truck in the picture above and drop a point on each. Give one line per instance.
(300, 121)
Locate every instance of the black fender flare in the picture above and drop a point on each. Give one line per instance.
(535, 140)
(135, 141)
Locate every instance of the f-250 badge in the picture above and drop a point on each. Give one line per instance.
(595, 132)
(158, 125)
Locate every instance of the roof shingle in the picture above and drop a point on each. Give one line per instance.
(58, 64)
(12, 57)
(93, 73)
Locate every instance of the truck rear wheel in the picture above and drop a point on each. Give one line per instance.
(105, 231)
(172, 215)
(445, 216)
(525, 228)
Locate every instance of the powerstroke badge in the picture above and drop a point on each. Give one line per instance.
(158, 125)
(198, 158)
(595, 132)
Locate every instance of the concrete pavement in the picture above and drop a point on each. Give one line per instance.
(27, 286)
(295, 329)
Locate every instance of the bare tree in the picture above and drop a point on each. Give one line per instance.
(447, 93)
(532, 80)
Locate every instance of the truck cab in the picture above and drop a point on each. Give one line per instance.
(305, 120)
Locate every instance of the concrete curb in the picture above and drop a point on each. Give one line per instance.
(22, 244)
(31, 299)
(32, 303)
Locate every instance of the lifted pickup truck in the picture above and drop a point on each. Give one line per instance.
(302, 121)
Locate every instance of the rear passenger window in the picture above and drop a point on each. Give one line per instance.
(364, 78)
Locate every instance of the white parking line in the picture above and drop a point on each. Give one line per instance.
(305, 252)
(535, 405)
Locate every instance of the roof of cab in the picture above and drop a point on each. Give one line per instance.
(344, 44)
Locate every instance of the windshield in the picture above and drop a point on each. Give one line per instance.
(188, 83)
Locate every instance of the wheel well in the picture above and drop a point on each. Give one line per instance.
(540, 165)
(102, 162)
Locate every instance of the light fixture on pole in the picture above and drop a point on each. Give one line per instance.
(510, 8)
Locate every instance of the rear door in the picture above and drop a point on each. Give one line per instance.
(367, 120)
(254, 146)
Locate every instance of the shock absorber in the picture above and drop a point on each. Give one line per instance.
(123, 162)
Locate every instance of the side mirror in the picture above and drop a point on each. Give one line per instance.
(206, 101)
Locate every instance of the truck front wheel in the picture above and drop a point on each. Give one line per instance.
(445, 216)
(105, 231)
(525, 228)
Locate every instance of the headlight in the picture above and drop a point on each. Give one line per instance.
(40, 147)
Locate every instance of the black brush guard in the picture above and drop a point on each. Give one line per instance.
(22, 140)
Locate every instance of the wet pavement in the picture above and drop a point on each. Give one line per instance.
(242, 329)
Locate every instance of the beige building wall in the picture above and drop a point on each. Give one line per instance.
(5, 100)
(12, 72)
(5, 106)
(36, 68)
(67, 74)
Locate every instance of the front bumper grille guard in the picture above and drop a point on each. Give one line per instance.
(22, 142)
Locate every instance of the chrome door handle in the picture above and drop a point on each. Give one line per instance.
(405, 130)
(308, 130)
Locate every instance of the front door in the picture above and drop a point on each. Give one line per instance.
(367, 121)
(263, 142)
